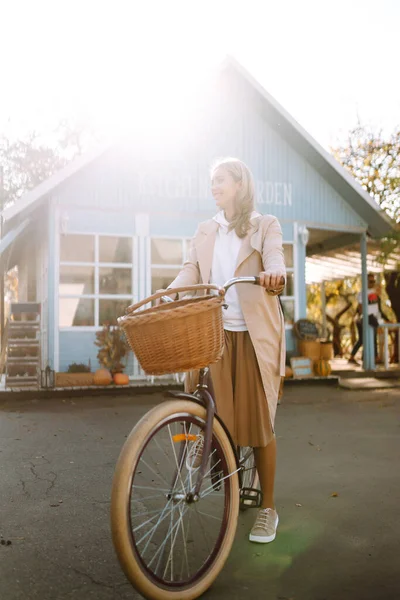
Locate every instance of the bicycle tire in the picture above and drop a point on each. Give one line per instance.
(122, 535)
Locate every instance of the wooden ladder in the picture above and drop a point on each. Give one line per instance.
(23, 364)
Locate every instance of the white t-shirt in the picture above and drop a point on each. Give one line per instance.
(226, 251)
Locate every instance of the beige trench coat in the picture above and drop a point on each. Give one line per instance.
(261, 250)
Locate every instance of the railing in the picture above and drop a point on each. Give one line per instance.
(386, 327)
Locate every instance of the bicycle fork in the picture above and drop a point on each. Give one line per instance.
(208, 401)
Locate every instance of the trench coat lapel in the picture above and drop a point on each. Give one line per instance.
(246, 247)
(205, 249)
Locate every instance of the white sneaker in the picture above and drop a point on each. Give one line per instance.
(264, 529)
(195, 454)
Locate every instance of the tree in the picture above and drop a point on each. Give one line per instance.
(374, 160)
(26, 162)
(341, 296)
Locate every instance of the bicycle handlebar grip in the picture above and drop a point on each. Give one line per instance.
(257, 280)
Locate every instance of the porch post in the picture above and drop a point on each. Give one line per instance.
(323, 309)
(368, 347)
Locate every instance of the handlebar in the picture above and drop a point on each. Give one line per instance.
(250, 279)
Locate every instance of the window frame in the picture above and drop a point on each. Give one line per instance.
(184, 243)
(289, 326)
(96, 296)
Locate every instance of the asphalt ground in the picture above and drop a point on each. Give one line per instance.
(337, 494)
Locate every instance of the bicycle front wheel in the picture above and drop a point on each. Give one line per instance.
(170, 547)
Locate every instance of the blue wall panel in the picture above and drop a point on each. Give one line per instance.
(77, 347)
(174, 181)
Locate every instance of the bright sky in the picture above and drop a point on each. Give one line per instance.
(102, 62)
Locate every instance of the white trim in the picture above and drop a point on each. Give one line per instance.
(75, 263)
(98, 296)
(77, 328)
(135, 269)
(296, 271)
(169, 266)
(169, 237)
(56, 290)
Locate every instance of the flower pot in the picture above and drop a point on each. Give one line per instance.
(326, 350)
(310, 349)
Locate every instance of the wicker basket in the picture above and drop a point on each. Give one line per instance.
(179, 336)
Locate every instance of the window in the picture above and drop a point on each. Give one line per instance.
(96, 279)
(166, 252)
(76, 312)
(78, 248)
(288, 295)
(167, 257)
(114, 249)
(76, 280)
(115, 280)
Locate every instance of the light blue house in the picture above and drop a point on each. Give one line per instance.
(114, 225)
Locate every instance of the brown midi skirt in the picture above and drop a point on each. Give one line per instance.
(239, 392)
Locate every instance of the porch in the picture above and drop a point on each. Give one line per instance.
(329, 257)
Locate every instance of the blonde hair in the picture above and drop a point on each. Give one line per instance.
(244, 201)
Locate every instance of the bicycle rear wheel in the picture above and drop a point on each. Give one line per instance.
(169, 547)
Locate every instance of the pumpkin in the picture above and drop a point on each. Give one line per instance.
(121, 379)
(102, 377)
(322, 367)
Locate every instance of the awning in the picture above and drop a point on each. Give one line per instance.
(10, 237)
(346, 262)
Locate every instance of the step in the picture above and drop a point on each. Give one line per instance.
(21, 385)
(17, 343)
(13, 324)
(23, 360)
(22, 380)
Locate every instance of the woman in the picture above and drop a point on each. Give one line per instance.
(240, 242)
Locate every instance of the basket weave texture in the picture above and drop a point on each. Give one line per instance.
(177, 337)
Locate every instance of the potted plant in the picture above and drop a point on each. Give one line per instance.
(78, 374)
(113, 349)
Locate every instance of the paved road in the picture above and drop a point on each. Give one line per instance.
(56, 465)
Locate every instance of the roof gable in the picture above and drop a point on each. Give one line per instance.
(324, 164)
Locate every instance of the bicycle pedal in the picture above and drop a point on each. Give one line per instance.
(251, 497)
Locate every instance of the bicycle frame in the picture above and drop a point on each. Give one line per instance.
(202, 395)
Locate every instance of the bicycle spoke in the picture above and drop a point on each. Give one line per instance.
(154, 472)
(178, 467)
(204, 494)
(146, 487)
(149, 520)
(165, 535)
(164, 542)
(208, 515)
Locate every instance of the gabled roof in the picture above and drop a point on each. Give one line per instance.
(341, 180)
(379, 223)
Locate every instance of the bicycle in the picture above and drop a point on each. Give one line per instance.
(173, 521)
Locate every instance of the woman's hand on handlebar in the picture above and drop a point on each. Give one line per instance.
(272, 281)
(167, 292)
